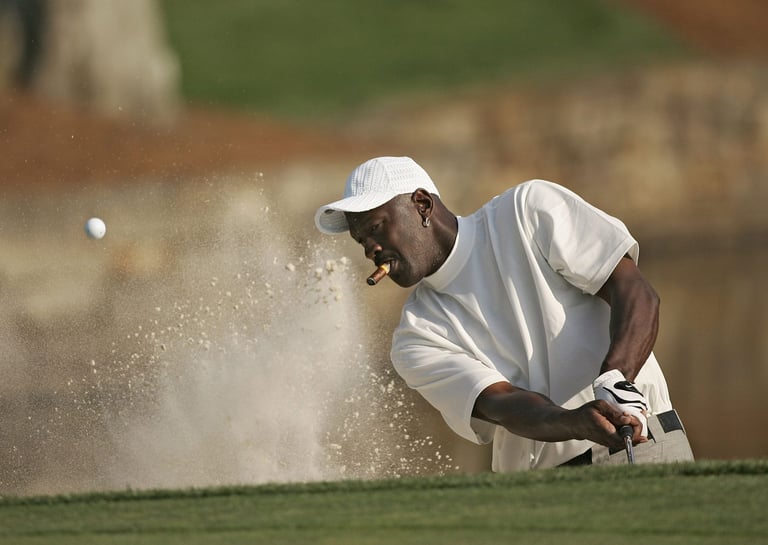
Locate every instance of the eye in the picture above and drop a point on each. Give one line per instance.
(374, 228)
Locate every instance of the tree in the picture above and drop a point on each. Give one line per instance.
(109, 56)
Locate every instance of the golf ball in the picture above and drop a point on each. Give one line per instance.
(95, 228)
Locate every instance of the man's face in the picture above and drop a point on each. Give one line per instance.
(393, 233)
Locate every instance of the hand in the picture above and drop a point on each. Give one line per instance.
(600, 420)
(612, 387)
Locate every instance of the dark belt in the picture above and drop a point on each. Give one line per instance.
(669, 421)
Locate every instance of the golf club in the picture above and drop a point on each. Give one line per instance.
(626, 433)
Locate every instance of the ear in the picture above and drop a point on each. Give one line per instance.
(424, 203)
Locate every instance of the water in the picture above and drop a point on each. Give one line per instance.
(713, 344)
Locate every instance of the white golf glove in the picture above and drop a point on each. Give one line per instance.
(614, 388)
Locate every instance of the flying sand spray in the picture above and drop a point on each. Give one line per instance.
(248, 366)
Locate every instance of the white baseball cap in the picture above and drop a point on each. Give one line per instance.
(370, 185)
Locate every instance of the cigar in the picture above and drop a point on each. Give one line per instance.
(378, 274)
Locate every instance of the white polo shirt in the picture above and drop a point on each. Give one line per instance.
(515, 302)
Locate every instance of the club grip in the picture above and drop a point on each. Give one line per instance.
(625, 431)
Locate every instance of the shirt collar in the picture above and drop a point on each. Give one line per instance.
(456, 260)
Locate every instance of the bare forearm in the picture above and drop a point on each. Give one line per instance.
(536, 417)
(527, 414)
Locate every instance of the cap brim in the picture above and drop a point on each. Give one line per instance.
(330, 219)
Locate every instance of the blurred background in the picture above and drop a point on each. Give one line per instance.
(213, 337)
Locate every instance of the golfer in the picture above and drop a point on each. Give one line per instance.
(529, 323)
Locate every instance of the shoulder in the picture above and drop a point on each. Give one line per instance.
(534, 192)
(543, 193)
(423, 302)
(422, 316)
(527, 201)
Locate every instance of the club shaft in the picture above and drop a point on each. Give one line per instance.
(630, 450)
(626, 433)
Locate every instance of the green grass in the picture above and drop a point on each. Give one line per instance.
(703, 503)
(316, 59)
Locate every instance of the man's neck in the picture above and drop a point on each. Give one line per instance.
(448, 230)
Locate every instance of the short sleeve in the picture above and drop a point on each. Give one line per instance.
(579, 241)
(446, 376)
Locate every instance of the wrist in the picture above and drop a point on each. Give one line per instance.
(576, 422)
(609, 378)
(622, 367)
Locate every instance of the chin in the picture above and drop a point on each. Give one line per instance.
(404, 276)
(406, 282)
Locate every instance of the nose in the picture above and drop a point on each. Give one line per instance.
(371, 248)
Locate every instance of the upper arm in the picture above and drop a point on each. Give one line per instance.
(447, 376)
(624, 278)
(577, 240)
